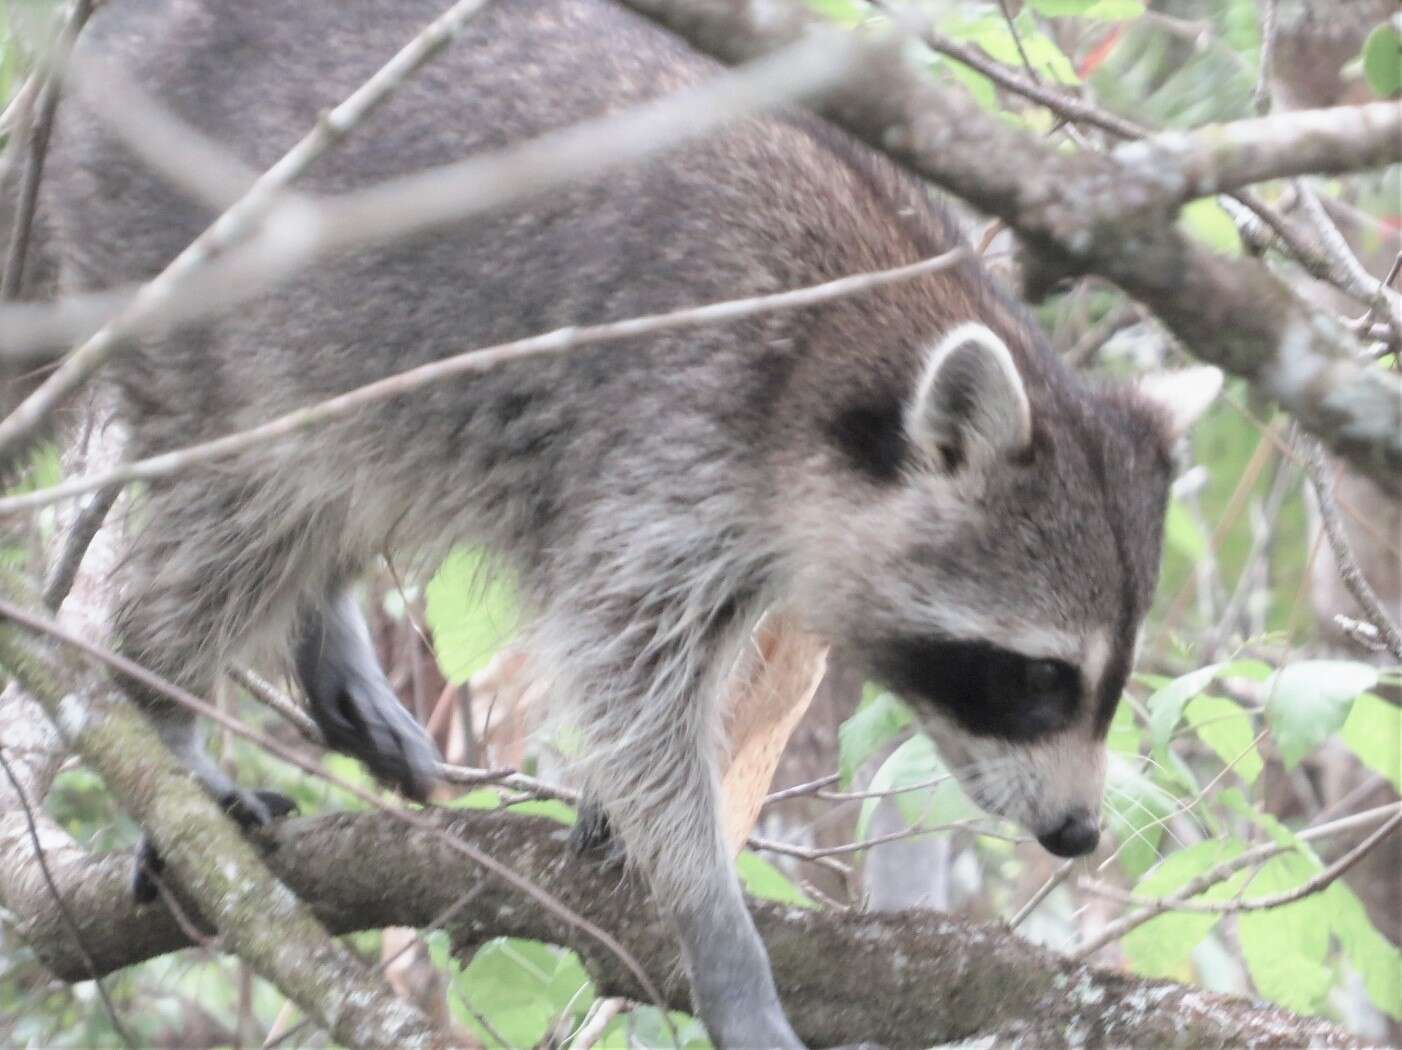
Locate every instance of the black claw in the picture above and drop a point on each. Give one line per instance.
(592, 834)
(591, 831)
(146, 869)
(249, 809)
(277, 804)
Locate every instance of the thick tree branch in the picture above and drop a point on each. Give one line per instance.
(265, 924)
(1113, 216)
(902, 979)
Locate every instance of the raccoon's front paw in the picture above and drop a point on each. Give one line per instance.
(593, 837)
(249, 809)
(363, 718)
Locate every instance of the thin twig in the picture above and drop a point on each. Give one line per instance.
(1059, 102)
(270, 696)
(798, 790)
(600, 1016)
(1286, 477)
(1270, 21)
(282, 235)
(1314, 885)
(472, 362)
(819, 852)
(40, 127)
(62, 905)
(1115, 930)
(1346, 271)
(81, 533)
(331, 128)
(1043, 892)
(1349, 572)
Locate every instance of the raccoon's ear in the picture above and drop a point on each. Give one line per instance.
(970, 402)
(1181, 397)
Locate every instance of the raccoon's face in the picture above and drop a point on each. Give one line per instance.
(1000, 585)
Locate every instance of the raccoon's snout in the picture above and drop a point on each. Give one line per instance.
(1076, 835)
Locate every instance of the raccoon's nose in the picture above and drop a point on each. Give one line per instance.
(1076, 836)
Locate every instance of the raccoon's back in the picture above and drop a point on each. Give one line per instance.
(770, 203)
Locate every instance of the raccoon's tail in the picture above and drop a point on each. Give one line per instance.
(23, 368)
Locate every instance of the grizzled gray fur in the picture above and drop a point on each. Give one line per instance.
(911, 470)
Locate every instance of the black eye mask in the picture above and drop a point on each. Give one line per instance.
(988, 690)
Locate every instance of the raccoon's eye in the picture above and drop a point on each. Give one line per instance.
(1044, 676)
(1049, 688)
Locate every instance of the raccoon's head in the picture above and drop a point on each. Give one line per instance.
(998, 581)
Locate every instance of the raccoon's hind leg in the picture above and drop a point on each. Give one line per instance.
(219, 558)
(352, 702)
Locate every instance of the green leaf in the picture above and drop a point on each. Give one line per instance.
(552, 808)
(1161, 946)
(1382, 60)
(1105, 10)
(1182, 534)
(1307, 701)
(1373, 732)
(643, 1028)
(478, 798)
(1166, 705)
(913, 762)
(1377, 959)
(1124, 735)
(1136, 809)
(764, 880)
(1208, 222)
(520, 987)
(1223, 726)
(877, 722)
(992, 35)
(471, 611)
(1285, 947)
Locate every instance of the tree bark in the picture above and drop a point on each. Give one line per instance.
(902, 979)
(1113, 215)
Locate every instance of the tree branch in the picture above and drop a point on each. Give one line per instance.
(1112, 215)
(904, 979)
(257, 917)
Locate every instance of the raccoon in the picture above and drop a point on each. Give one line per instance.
(911, 472)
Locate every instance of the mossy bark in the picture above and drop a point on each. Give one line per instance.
(256, 916)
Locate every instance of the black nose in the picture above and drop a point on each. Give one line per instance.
(1077, 835)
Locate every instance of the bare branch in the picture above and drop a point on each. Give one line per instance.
(10, 651)
(1305, 889)
(61, 904)
(473, 361)
(1086, 213)
(1349, 572)
(280, 234)
(1115, 930)
(255, 203)
(40, 125)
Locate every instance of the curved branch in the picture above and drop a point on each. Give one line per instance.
(903, 979)
(1113, 216)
